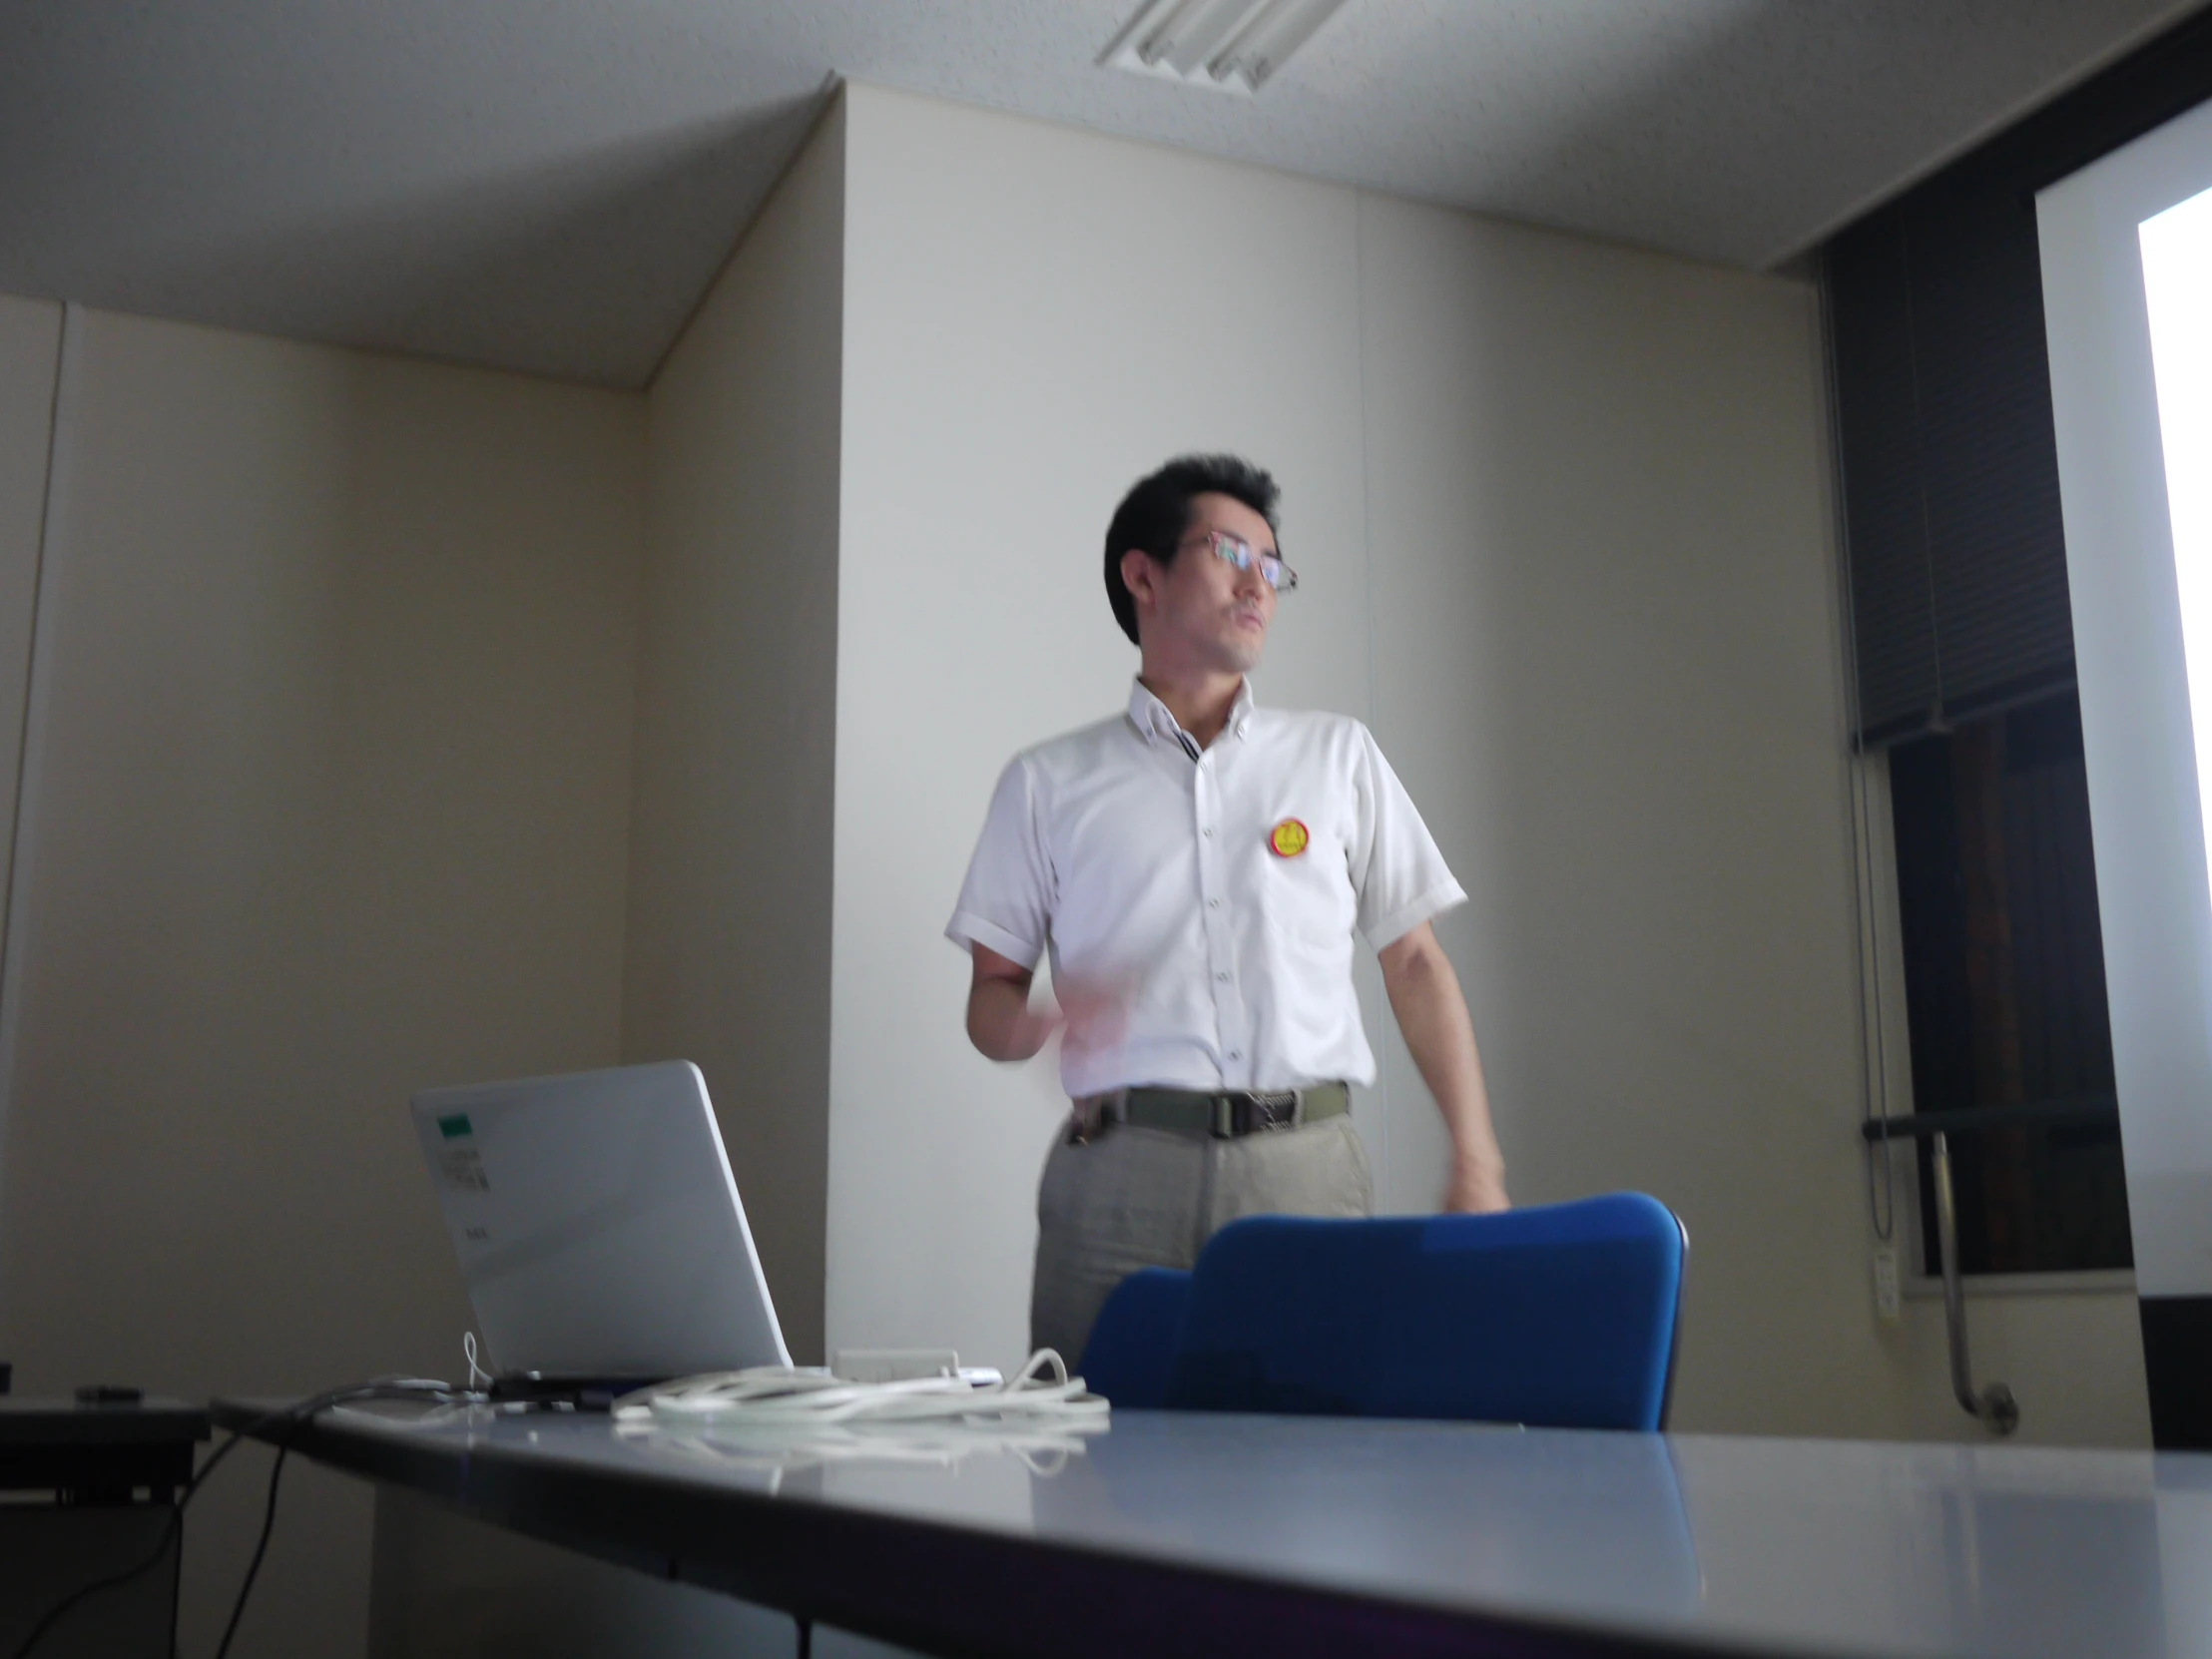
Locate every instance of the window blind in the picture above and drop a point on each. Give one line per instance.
(1955, 551)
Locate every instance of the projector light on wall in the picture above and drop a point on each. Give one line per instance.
(2177, 286)
(1231, 45)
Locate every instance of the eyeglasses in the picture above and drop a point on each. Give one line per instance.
(1243, 554)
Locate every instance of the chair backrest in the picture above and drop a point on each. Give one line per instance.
(1561, 1316)
(1132, 1346)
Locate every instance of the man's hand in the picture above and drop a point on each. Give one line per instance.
(1477, 1188)
(1000, 1022)
(1003, 1026)
(1432, 1013)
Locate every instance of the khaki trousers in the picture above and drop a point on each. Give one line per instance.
(1147, 1197)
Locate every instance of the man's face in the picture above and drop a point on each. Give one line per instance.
(1208, 614)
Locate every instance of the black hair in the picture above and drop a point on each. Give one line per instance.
(1156, 512)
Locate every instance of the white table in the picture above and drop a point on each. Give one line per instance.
(1200, 1534)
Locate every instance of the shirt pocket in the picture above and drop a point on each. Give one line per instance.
(1306, 901)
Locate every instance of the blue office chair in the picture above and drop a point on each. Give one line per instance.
(1560, 1317)
(1132, 1344)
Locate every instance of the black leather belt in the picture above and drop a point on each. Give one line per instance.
(1223, 1115)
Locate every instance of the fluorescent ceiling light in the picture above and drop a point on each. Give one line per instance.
(1233, 45)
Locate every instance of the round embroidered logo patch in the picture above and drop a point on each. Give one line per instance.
(1287, 839)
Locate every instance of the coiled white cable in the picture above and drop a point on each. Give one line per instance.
(475, 1370)
(798, 1398)
(1045, 1447)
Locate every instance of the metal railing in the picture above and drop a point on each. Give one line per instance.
(1994, 1404)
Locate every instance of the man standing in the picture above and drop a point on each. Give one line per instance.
(1197, 867)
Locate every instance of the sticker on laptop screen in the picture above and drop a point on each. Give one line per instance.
(464, 1168)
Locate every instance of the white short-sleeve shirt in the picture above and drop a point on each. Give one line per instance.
(1171, 873)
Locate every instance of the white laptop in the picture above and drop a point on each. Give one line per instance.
(598, 1226)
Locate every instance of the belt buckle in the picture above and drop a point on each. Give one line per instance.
(1253, 1113)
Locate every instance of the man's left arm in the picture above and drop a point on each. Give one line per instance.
(1432, 1013)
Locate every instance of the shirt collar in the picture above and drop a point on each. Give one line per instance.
(1152, 720)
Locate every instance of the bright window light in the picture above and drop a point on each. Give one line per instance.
(2177, 281)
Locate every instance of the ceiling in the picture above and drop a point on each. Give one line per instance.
(550, 185)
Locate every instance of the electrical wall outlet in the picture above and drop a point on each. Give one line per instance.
(1886, 1303)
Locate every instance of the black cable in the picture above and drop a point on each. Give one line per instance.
(299, 1411)
(294, 1419)
(159, 1553)
(84, 1592)
(261, 1548)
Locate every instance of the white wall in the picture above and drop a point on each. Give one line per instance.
(1561, 514)
(30, 345)
(2074, 1358)
(1034, 317)
(730, 872)
(1527, 481)
(1602, 559)
(327, 803)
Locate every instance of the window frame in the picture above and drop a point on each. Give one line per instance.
(1886, 1058)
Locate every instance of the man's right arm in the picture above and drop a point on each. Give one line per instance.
(1000, 1022)
(1008, 899)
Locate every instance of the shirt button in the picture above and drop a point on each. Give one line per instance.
(1223, 977)
(1209, 833)
(1212, 905)
(1236, 1054)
